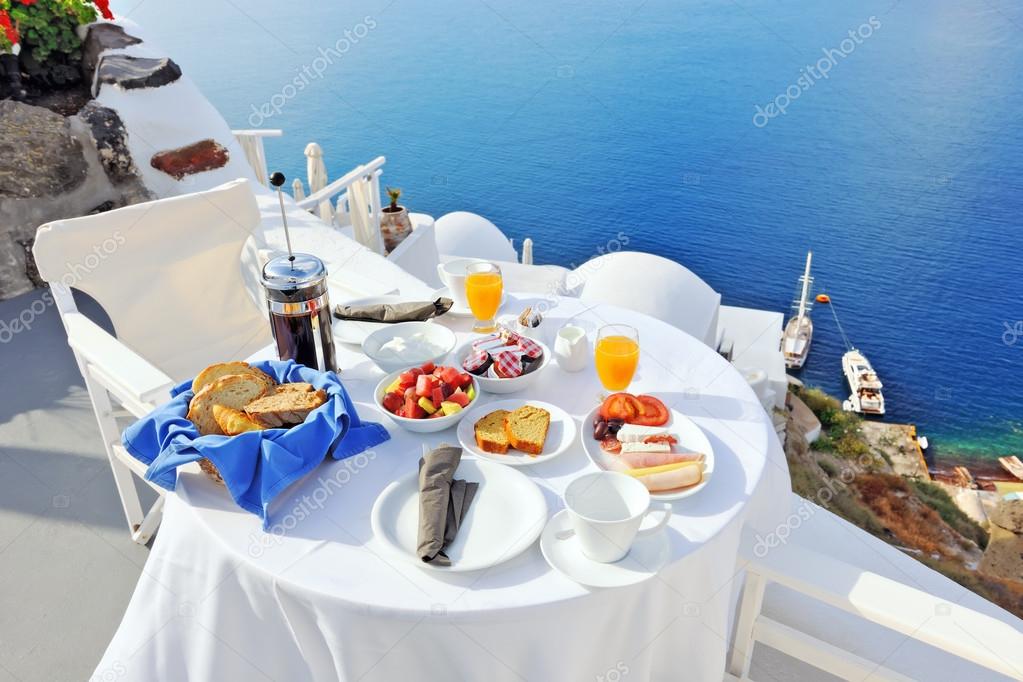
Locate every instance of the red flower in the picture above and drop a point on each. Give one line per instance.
(104, 8)
(28, 2)
(9, 31)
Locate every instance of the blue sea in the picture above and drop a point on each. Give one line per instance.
(730, 136)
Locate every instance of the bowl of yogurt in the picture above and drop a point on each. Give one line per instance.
(401, 345)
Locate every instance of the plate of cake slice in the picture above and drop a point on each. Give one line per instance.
(517, 432)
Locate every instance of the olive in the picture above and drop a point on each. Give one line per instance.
(600, 430)
(597, 419)
(613, 425)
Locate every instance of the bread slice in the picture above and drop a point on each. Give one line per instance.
(234, 390)
(527, 427)
(223, 369)
(490, 435)
(232, 421)
(301, 387)
(284, 407)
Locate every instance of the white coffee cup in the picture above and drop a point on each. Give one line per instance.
(607, 509)
(453, 275)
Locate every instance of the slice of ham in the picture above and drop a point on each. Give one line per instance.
(641, 460)
(670, 480)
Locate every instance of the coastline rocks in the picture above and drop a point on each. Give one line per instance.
(1009, 515)
(132, 73)
(38, 155)
(102, 37)
(195, 158)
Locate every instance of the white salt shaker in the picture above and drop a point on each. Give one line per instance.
(571, 349)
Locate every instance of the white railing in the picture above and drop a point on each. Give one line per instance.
(957, 630)
(341, 208)
(252, 144)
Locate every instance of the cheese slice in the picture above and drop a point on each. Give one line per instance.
(645, 447)
(633, 433)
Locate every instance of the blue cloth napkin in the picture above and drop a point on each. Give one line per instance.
(257, 465)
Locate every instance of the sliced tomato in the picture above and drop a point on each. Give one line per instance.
(611, 444)
(662, 438)
(622, 406)
(651, 412)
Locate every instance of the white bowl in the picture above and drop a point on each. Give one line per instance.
(436, 335)
(422, 425)
(492, 384)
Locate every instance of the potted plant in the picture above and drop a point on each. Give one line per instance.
(394, 223)
(10, 47)
(42, 38)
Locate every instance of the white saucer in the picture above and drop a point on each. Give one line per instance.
(560, 436)
(649, 554)
(460, 311)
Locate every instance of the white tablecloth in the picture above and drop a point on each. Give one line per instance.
(317, 600)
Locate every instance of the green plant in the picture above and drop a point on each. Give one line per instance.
(48, 27)
(393, 193)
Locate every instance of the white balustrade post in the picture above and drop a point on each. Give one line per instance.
(316, 173)
(527, 251)
(297, 189)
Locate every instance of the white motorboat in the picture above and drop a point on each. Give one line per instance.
(866, 397)
(795, 340)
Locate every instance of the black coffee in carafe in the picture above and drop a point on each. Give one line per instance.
(296, 296)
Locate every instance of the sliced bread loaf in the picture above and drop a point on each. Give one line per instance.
(490, 435)
(234, 390)
(223, 369)
(284, 407)
(527, 427)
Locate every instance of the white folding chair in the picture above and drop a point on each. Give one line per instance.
(653, 285)
(170, 276)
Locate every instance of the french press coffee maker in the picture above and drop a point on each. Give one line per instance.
(296, 296)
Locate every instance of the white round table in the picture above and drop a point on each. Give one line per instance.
(317, 598)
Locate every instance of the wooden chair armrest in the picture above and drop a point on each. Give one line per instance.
(133, 380)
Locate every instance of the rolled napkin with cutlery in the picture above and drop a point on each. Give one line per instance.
(443, 502)
(388, 313)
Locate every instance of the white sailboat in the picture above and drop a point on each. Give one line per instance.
(866, 397)
(795, 340)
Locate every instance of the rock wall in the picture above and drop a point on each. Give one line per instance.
(146, 133)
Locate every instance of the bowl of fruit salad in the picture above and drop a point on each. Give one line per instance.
(427, 398)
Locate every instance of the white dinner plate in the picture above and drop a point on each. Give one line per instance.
(459, 311)
(648, 555)
(506, 516)
(690, 438)
(560, 436)
(350, 331)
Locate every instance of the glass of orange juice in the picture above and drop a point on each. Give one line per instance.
(483, 289)
(616, 355)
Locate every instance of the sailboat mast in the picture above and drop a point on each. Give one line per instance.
(806, 287)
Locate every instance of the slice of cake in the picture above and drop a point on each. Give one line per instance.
(527, 427)
(490, 432)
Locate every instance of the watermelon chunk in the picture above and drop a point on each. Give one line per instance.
(459, 398)
(416, 370)
(412, 409)
(450, 375)
(428, 367)
(466, 379)
(437, 396)
(407, 379)
(424, 385)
